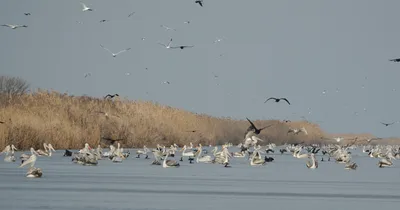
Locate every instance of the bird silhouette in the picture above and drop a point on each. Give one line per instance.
(200, 2)
(395, 60)
(110, 96)
(387, 124)
(277, 100)
(253, 128)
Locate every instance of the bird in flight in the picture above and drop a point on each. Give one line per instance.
(387, 124)
(88, 74)
(27, 13)
(168, 28)
(167, 82)
(102, 21)
(277, 100)
(200, 2)
(85, 8)
(253, 128)
(131, 14)
(187, 22)
(217, 40)
(15, 26)
(115, 54)
(111, 96)
(166, 46)
(395, 60)
(182, 47)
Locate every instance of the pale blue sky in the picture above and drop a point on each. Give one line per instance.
(294, 49)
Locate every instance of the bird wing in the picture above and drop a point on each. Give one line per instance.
(285, 100)
(6, 25)
(269, 99)
(131, 14)
(252, 125)
(83, 5)
(123, 51)
(106, 49)
(266, 127)
(161, 44)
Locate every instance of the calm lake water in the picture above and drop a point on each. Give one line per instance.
(285, 183)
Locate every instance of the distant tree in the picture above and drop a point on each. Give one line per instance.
(13, 85)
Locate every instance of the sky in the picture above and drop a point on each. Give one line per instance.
(330, 59)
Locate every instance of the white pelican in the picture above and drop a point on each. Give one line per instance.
(115, 54)
(186, 154)
(85, 8)
(384, 162)
(313, 163)
(203, 159)
(169, 163)
(256, 161)
(143, 152)
(34, 172)
(15, 26)
(31, 160)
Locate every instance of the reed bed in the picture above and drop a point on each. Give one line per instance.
(68, 122)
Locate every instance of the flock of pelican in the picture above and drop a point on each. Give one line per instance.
(249, 149)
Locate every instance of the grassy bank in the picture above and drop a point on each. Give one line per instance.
(70, 121)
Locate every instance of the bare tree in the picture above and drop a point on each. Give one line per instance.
(12, 86)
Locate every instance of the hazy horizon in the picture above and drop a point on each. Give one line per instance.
(293, 49)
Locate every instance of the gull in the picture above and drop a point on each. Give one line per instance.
(85, 8)
(88, 74)
(277, 100)
(395, 60)
(167, 28)
(387, 124)
(27, 13)
(166, 46)
(200, 2)
(115, 54)
(131, 14)
(15, 26)
(217, 40)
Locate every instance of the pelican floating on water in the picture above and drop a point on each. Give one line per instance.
(313, 163)
(170, 163)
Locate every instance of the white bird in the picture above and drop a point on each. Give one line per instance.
(85, 8)
(167, 82)
(168, 28)
(218, 40)
(166, 46)
(15, 26)
(338, 139)
(31, 160)
(187, 22)
(115, 54)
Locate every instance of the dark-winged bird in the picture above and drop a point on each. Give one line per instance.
(387, 124)
(111, 96)
(200, 2)
(395, 60)
(277, 100)
(182, 47)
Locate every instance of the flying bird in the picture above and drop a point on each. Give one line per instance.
(166, 46)
(277, 100)
(387, 124)
(167, 82)
(85, 8)
(182, 47)
(395, 60)
(88, 74)
(168, 28)
(200, 2)
(111, 96)
(131, 14)
(102, 21)
(187, 22)
(253, 128)
(115, 54)
(27, 14)
(15, 26)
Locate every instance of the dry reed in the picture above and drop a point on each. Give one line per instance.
(71, 121)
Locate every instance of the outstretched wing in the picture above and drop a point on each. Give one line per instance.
(285, 100)
(106, 49)
(123, 51)
(269, 99)
(252, 125)
(266, 127)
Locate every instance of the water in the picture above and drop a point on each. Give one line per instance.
(285, 183)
